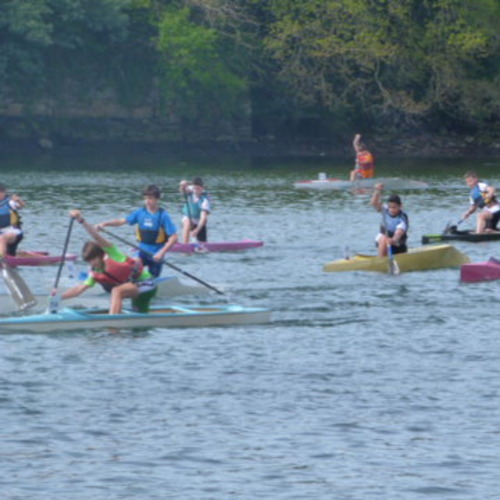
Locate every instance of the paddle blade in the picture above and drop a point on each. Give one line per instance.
(393, 265)
(18, 289)
(54, 302)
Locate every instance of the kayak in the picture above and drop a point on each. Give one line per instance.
(36, 258)
(416, 259)
(159, 317)
(455, 235)
(480, 271)
(168, 286)
(394, 183)
(216, 246)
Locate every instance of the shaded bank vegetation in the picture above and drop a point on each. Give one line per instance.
(248, 70)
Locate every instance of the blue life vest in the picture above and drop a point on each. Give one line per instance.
(8, 216)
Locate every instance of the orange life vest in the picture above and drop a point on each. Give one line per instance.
(116, 273)
(366, 164)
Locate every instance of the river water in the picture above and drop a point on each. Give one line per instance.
(362, 386)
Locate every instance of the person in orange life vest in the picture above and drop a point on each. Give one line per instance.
(156, 232)
(365, 164)
(124, 277)
(10, 222)
(195, 210)
(482, 196)
(394, 230)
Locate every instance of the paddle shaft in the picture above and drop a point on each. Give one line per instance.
(63, 256)
(393, 269)
(185, 273)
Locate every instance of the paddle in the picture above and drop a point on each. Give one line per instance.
(185, 273)
(393, 265)
(449, 226)
(18, 289)
(54, 299)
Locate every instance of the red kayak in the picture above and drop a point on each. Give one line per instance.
(34, 258)
(480, 271)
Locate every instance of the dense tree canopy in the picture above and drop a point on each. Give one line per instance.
(330, 64)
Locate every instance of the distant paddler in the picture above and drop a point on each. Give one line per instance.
(365, 163)
(482, 196)
(10, 222)
(156, 231)
(394, 228)
(196, 209)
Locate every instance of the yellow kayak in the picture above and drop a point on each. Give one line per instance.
(416, 259)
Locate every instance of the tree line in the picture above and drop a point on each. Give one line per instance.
(293, 68)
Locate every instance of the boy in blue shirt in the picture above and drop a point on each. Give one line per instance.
(156, 232)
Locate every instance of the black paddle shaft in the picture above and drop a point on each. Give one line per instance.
(63, 257)
(185, 273)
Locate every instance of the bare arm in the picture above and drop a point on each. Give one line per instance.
(376, 200)
(172, 240)
(74, 291)
(355, 142)
(112, 223)
(92, 230)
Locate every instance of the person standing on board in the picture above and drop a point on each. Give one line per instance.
(482, 196)
(195, 211)
(365, 163)
(122, 276)
(394, 227)
(156, 232)
(10, 222)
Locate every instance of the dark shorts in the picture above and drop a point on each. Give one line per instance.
(202, 235)
(399, 249)
(492, 223)
(153, 266)
(12, 247)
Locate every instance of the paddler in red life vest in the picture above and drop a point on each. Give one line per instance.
(10, 222)
(123, 276)
(365, 164)
(482, 196)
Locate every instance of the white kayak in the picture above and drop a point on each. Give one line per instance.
(171, 316)
(392, 183)
(168, 286)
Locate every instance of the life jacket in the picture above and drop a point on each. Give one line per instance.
(366, 164)
(8, 216)
(152, 235)
(393, 222)
(478, 196)
(192, 209)
(116, 273)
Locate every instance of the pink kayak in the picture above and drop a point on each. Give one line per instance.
(480, 271)
(34, 258)
(216, 246)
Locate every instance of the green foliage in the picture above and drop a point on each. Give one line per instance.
(198, 83)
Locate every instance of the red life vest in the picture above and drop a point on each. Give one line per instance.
(116, 273)
(366, 164)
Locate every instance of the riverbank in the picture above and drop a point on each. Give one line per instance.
(409, 145)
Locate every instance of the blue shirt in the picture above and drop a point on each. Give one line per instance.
(149, 222)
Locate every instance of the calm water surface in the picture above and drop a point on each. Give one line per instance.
(362, 387)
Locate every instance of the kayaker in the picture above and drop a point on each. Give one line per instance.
(482, 196)
(120, 275)
(195, 211)
(394, 227)
(365, 163)
(11, 233)
(156, 232)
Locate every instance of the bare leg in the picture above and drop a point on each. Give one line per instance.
(186, 230)
(482, 219)
(118, 293)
